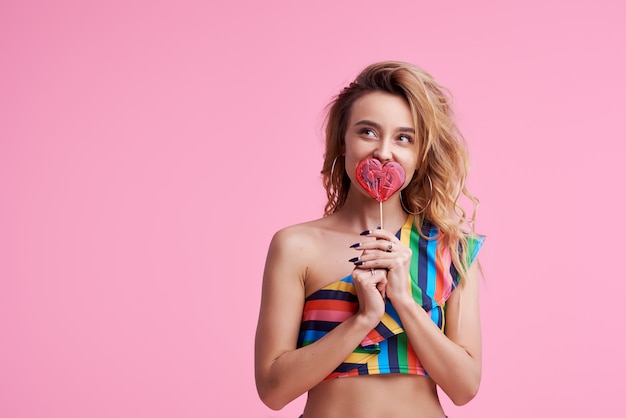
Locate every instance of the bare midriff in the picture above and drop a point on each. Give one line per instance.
(375, 396)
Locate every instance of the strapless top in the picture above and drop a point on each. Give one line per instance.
(386, 349)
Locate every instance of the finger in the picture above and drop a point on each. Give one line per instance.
(384, 245)
(379, 244)
(371, 255)
(378, 264)
(382, 286)
(374, 263)
(372, 279)
(369, 274)
(380, 234)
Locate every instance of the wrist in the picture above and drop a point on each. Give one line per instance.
(366, 322)
(403, 300)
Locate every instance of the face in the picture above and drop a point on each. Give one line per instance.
(381, 127)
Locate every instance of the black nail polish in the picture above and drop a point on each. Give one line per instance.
(357, 245)
(366, 232)
(378, 227)
(358, 263)
(353, 259)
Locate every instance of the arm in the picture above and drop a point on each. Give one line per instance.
(283, 372)
(453, 360)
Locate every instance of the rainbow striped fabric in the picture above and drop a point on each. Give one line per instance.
(386, 348)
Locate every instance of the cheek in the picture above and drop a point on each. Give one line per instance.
(409, 177)
(352, 159)
(410, 167)
(350, 169)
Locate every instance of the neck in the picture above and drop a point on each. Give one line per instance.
(361, 212)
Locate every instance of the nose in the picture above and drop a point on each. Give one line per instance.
(383, 150)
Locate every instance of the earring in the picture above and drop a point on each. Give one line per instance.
(430, 182)
(332, 168)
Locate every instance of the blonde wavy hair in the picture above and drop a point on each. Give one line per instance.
(441, 153)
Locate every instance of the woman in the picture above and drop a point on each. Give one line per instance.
(371, 344)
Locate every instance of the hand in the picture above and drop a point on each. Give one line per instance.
(386, 251)
(370, 289)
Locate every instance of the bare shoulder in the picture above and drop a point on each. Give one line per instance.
(297, 245)
(294, 236)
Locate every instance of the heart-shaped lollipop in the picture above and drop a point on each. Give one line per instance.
(380, 180)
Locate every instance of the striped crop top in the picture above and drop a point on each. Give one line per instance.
(386, 348)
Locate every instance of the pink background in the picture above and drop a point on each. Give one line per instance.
(150, 149)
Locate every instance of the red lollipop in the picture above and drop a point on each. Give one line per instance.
(380, 180)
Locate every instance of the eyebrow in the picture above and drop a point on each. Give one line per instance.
(366, 122)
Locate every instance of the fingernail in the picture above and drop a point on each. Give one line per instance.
(366, 232)
(358, 263)
(358, 244)
(353, 259)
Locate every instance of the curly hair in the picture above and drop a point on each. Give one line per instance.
(441, 152)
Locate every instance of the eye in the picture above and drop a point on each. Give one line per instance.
(405, 139)
(369, 132)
